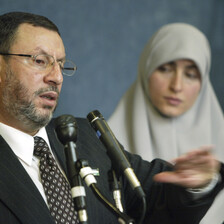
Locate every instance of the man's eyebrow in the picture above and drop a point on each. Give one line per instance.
(41, 51)
(61, 59)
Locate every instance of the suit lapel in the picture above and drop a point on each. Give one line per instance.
(18, 191)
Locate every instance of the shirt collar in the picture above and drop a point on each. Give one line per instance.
(22, 144)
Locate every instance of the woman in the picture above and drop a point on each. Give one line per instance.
(171, 108)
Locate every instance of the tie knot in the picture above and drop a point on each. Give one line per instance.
(40, 147)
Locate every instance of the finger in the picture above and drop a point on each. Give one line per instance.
(202, 151)
(205, 161)
(173, 178)
(164, 177)
(182, 179)
(195, 154)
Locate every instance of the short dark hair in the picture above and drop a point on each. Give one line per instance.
(10, 22)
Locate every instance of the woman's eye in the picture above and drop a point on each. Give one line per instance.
(192, 75)
(165, 68)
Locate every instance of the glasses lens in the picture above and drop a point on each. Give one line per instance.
(43, 61)
(69, 68)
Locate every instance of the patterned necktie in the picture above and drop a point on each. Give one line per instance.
(56, 187)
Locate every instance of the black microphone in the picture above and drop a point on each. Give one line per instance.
(114, 150)
(66, 129)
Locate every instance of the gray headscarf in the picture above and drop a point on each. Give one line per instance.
(138, 125)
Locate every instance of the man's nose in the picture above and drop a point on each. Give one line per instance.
(55, 75)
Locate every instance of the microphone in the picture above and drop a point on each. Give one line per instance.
(66, 129)
(114, 150)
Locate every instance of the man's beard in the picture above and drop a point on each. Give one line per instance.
(18, 103)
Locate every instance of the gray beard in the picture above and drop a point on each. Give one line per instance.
(17, 103)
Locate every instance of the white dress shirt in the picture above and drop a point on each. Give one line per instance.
(22, 145)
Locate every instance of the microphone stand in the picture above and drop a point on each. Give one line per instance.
(116, 189)
(87, 175)
(77, 190)
(66, 130)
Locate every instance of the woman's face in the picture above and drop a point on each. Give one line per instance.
(174, 87)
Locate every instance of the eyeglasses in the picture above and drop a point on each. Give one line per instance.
(44, 62)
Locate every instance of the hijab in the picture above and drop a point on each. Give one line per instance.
(141, 129)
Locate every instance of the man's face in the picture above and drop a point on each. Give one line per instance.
(28, 96)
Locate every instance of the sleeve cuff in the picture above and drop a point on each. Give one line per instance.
(205, 190)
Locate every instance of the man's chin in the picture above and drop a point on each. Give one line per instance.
(42, 118)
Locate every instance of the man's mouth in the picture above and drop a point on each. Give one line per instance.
(49, 98)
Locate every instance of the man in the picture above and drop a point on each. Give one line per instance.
(32, 64)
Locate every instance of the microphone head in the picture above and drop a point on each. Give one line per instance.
(94, 115)
(66, 128)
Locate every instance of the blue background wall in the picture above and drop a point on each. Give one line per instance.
(105, 38)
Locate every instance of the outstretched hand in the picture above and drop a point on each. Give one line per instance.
(192, 170)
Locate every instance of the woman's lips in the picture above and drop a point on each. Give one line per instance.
(173, 101)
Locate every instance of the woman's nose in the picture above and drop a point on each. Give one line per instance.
(177, 82)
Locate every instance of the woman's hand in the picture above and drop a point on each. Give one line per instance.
(192, 170)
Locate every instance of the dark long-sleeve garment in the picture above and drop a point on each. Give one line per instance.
(21, 202)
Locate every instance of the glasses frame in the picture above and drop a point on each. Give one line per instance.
(34, 57)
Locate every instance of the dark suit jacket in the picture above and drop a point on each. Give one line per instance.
(21, 202)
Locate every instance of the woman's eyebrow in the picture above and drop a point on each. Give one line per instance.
(192, 66)
(171, 63)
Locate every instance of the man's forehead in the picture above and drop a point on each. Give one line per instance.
(28, 29)
(38, 39)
